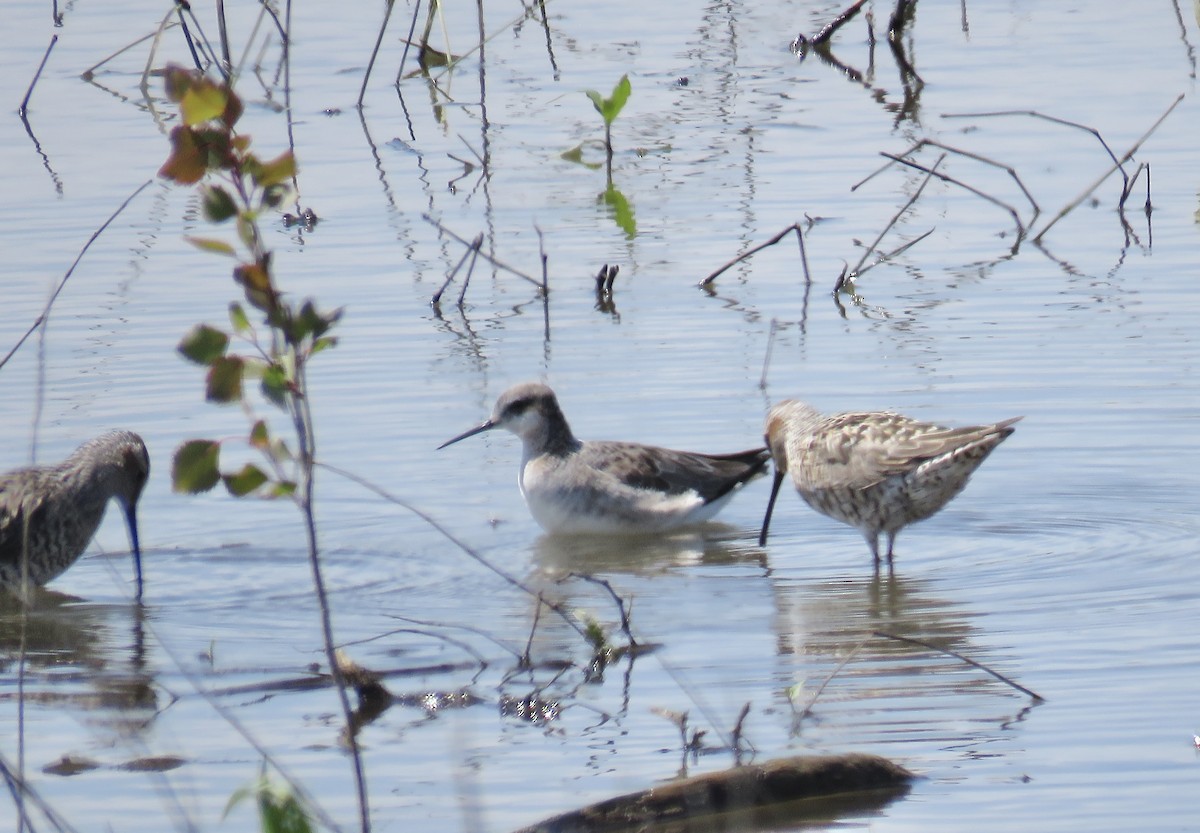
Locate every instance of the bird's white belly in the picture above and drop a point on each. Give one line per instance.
(562, 500)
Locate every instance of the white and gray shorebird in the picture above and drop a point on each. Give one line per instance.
(48, 514)
(878, 472)
(572, 486)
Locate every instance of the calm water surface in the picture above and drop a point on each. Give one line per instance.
(1069, 565)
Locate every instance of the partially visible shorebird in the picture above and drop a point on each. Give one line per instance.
(48, 514)
(610, 487)
(877, 472)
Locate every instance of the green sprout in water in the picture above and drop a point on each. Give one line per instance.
(280, 810)
(609, 108)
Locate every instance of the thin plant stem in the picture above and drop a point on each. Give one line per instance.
(63, 282)
(29, 93)
(912, 640)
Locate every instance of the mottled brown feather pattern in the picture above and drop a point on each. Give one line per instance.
(48, 514)
(876, 471)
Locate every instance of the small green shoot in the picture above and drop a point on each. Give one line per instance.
(609, 108)
(280, 810)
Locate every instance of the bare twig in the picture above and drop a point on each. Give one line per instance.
(736, 733)
(1016, 218)
(526, 659)
(29, 93)
(22, 791)
(959, 151)
(812, 701)
(625, 628)
(1036, 115)
(967, 660)
(472, 249)
(844, 277)
(762, 380)
(88, 73)
(1071, 206)
(802, 42)
(387, 15)
(489, 258)
(895, 218)
(756, 249)
(62, 283)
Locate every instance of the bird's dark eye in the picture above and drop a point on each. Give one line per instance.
(520, 406)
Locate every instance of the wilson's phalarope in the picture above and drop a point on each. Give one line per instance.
(48, 514)
(610, 487)
(878, 472)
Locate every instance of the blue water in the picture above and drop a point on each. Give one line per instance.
(1068, 565)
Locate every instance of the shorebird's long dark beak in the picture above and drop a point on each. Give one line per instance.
(762, 536)
(478, 429)
(131, 519)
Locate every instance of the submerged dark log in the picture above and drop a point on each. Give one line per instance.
(745, 798)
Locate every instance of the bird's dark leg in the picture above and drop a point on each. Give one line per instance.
(873, 542)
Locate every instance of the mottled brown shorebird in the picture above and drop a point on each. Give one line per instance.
(877, 472)
(48, 514)
(610, 487)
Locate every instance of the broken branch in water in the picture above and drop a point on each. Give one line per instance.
(902, 159)
(499, 264)
(848, 277)
(29, 93)
(471, 252)
(807, 710)
(1071, 206)
(754, 250)
(1033, 694)
(58, 289)
(772, 794)
(802, 42)
(620, 603)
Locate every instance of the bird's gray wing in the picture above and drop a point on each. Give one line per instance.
(675, 472)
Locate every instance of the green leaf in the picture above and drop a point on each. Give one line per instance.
(323, 343)
(238, 319)
(247, 232)
(280, 453)
(260, 437)
(218, 205)
(280, 811)
(245, 481)
(224, 382)
(203, 344)
(609, 108)
(620, 95)
(208, 244)
(277, 171)
(195, 465)
(622, 211)
(254, 367)
(202, 101)
(284, 488)
(275, 385)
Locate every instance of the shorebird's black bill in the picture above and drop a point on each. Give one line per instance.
(131, 520)
(762, 536)
(478, 429)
